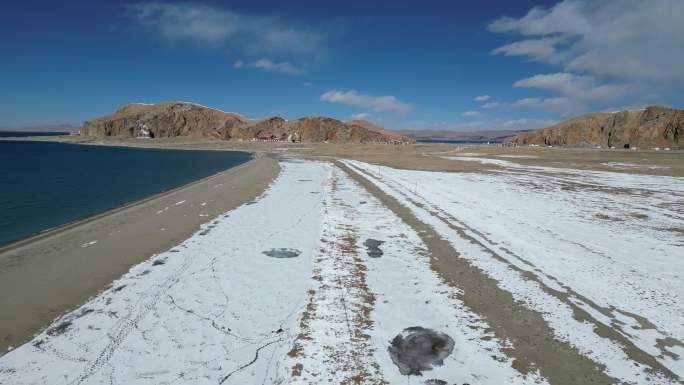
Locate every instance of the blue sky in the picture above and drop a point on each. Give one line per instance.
(426, 65)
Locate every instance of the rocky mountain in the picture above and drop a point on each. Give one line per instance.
(164, 120)
(649, 127)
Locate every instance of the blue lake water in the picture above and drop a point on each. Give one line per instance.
(44, 185)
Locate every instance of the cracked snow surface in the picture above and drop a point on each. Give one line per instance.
(599, 254)
(217, 309)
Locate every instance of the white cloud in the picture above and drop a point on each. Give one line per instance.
(559, 82)
(238, 64)
(577, 87)
(219, 27)
(491, 105)
(270, 66)
(576, 93)
(470, 114)
(526, 124)
(482, 98)
(631, 39)
(550, 103)
(307, 84)
(187, 21)
(352, 98)
(363, 116)
(538, 49)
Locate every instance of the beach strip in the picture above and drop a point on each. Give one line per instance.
(46, 275)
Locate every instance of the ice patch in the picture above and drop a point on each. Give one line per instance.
(417, 349)
(497, 162)
(88, 243)
(628, 166)
(518, 156)
(373, 247)
(282, 253)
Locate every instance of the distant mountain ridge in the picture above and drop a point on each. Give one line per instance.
(172, 119)
(43, 128)
(654, 126)
(479, 136)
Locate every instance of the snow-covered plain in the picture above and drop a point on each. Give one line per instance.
(279, 290)
(609, 244)
(339, 342)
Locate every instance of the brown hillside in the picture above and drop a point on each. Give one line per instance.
(188, 119)
(650, 127)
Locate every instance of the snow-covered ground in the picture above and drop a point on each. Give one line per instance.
(591, 251)
(198, 312)
(359, 304)
(279, 290)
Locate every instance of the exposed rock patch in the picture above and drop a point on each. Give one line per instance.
(159, 262)
(417, 349)
(59, 329)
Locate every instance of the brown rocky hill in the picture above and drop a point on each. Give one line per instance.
(647, 128)
(173, 119)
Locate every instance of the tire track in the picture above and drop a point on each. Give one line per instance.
(534, 344)
(570, 298)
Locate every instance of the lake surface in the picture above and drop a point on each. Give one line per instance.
(44, 184)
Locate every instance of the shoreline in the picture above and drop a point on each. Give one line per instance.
(423, 156)
(55, 230)
(55, 271)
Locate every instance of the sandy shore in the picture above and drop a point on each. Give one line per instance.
(53, 272)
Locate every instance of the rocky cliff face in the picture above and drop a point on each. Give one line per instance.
(164, 120)
(187, 119)
(650, 127)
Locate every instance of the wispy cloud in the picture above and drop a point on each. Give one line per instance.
(491, 105)
(484, 125)
(218, 27)
(538, 49)
(353, 98)
(186, 21)
(470, 114)
(482, 98)
(268, 65)
(547, 103)
(363, 116)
